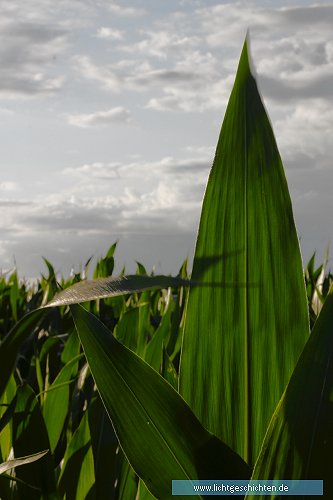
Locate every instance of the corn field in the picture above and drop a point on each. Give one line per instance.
(112, 387)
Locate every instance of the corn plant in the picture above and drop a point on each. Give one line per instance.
(155, 378)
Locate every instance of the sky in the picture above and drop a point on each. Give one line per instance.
(110, 112)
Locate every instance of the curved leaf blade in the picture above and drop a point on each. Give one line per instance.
(11, 464)
(159, 434)
(299, 441)
(102, 288)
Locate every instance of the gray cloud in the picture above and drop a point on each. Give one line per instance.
(316, 15)
(164, 252)
(118, 114)
(184, 62)
(279, 90)
(27, 50)
(69, 232)
(118, 10)
(191, 85)
(114, 198)
(94, 170)
(107, 33)
(163, 43)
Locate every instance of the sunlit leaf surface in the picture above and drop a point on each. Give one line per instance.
(242, 341)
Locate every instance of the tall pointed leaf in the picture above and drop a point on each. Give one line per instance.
(159, 434)
(299, 441)
(246, 328)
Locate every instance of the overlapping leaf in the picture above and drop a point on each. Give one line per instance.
(11, 464)
(110, 287)
(159, 434)
(299, 441)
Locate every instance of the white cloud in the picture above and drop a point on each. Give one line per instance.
(163, 43)
(108, 198)
(116, 197)
(8, 186)
(291, 46)
(191, 84)
(121, 11)
(184, 62)
(107, 76)
(118, 114)
(187, 63)
(304, 135)
(144, 184)
(109, 34)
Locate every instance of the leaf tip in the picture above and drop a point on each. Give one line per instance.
(246, 61)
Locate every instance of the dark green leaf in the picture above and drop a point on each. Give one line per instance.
(159, 434)
(299, 441)
(77, 477)
(9, 348)
(30, 436)
(104, 446)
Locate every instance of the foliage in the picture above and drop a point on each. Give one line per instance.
(154, 378)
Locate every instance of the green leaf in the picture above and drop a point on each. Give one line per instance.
(133, 328)
(14, 294)
(9, 348)
(299, 441)
(168, 370)
(247, 323)
(125, 330)
(154, 350)
(127, 481)
(7, 407)
(143, 493)
(104, 266)
(159, 434)
(104, 446)
(110, 287)
(30, 436)
(11, 464)
(77, 478)
(50, 283)
(144, 330)
(71, 348)
(57, 401)
(141, 270)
